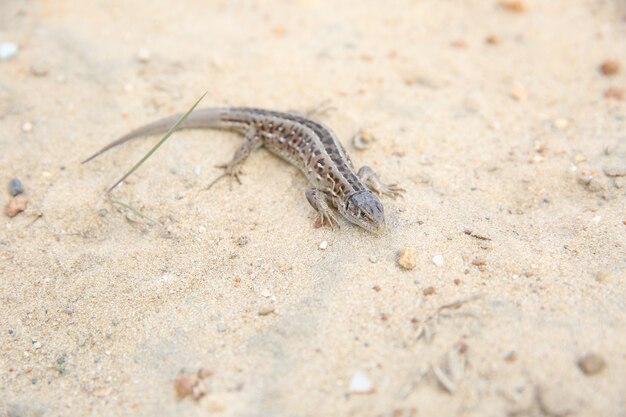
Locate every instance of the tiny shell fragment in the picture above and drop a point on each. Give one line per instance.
(360, 384)
(438, 260)
(8, 50)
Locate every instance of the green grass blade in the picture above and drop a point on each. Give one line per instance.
(163, 139)
(131, 208)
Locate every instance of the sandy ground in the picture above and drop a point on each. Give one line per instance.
(514, 163)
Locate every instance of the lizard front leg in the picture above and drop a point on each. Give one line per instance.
(371, 179)
(319, 201)
(232, 168)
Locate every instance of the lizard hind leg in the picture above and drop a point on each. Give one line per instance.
(232, 168)
(319, 201)
(371, 179)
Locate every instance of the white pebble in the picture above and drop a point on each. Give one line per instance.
(360, 384)
(7, 50)
(144, 55)
(197, 170)
(438, 260)
(201, 229)
(27, 127)
(266, 293)
(323, 245)
(596, 219)
(37, 345)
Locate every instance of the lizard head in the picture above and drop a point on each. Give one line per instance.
(365, 210)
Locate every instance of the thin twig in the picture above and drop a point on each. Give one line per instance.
(131, 208)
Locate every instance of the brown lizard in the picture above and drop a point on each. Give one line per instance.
(305, 143)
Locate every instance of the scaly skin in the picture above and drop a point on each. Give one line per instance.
(306, 144)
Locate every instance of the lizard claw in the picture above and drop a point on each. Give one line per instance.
(391, 190)
(230, 170)
(326, 218)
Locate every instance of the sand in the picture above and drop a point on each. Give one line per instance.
(495, 121)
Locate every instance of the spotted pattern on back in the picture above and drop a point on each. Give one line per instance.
(308, 145)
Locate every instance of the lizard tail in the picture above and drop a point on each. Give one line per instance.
(202, 118)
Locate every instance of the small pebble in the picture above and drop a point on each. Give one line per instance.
(144, 55)
(603, 276)
(591, 364)
(428, 291)
(513, 6)
(373, 259)
(518, 93)
(407, 258)
(37, 345)
(438, 260)
(16, 205)
(204, 373)
(39, 69)
(458, 43)
(266, 293)
(242, 240)
(184, 384)
(492, 40)
(197, 170)
(199, 391)
(323, 245)
(264, 311)
(15, 187)
(615, 93)
(597, 219)
(615, 170)
(363, 139)
(27, 127)
(561, 123)
(609, 67)
(7, 50)
(69, 310)
(481, 263)
(360, 384)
